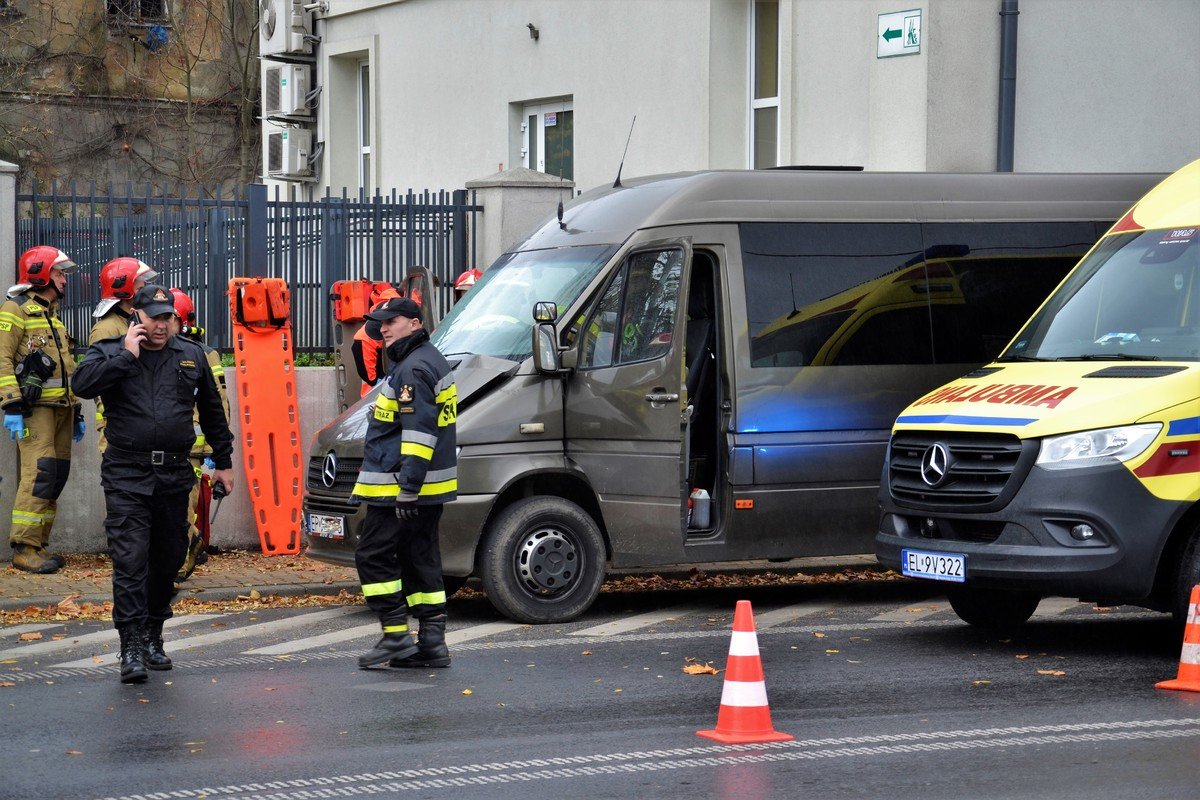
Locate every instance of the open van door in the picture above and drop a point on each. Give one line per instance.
(625, 414)
(420, 287)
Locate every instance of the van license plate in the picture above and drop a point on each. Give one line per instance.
(935, 566)
(327, 526)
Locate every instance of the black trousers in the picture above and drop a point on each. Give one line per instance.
(400, 563)
(147, 539)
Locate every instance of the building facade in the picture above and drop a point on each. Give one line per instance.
(434, 93)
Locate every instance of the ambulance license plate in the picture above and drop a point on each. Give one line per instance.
(934, 566)
(327, 526)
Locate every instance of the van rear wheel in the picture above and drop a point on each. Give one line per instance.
(1187, 577)
(542, 560)
(994, 609)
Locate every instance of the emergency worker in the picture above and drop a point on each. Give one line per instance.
(368, 348)
(409, 471)
(119, 281)
(40, 410)
(464, 282)
(151, 383)
(184, 324)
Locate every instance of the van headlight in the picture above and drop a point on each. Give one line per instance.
(1098, 447)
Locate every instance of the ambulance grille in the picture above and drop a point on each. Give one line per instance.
(347, 475)
(982, 471)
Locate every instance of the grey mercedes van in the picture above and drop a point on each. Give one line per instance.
(752, 334)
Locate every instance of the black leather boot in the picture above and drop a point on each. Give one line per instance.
(396, 643)
(153, 654)
(133, 669)
(431, 646)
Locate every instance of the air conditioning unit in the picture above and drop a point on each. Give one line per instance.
(284, 26)
(285, 90)
(288, 152)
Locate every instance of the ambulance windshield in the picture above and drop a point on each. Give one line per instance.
(495, 318)
(1135, 297)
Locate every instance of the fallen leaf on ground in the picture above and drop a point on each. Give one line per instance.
(7, 684)
(980, 683)
(1055, 672)
(74, 752)
(694, 667)
(467, 692)
(1022, 657)
(29, 637)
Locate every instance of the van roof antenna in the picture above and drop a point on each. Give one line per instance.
(792, 283)
(617, 182)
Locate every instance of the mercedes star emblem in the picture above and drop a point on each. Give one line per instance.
(934, 464)
(329, 470)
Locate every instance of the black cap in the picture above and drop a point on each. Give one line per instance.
(154, 300)
(396, 307)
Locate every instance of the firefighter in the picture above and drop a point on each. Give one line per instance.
(152, 383)
(367, 348)
(119, 280)
(40, 410)
(464, 282)
(409, 471)
(184, 325)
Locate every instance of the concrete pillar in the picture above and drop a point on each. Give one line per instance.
(515, 202)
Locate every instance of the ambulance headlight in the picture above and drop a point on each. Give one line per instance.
(1097, 448)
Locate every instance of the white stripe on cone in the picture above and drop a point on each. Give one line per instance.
(743, 643)
(1190, 654)
(1191, 619)
(750, 694)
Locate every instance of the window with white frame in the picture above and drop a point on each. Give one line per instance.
(764, 84)
(548, 138)
(364, 124)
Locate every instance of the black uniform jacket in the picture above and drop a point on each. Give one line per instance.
(152, 411)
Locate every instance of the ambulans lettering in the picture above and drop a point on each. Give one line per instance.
(1018, 394)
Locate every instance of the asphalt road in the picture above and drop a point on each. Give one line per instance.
(887, 694)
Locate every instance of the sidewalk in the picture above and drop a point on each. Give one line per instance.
(234, 573)
(225, 576)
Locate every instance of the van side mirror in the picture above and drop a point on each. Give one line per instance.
(545, 311)
(545, 349)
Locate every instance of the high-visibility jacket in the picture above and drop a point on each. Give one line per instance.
(368, 358)
(114, 323)
(201, 448)
(29, 322)
(410, 446)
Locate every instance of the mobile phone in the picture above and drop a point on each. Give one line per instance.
(135, 318)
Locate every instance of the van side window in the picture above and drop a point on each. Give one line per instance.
(1000, 272)
(819, 294)
(635, 319)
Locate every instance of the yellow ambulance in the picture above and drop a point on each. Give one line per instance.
(1070, 465)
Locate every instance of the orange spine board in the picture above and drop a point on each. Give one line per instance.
(269, 409)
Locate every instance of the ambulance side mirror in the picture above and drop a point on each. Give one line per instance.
(545, 349)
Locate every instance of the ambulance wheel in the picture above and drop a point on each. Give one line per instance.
(542, 560)
(1187, 577)
(994, 609)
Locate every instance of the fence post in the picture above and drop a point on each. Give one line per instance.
(8, 217)
(256, 229)
(514, 202)
(459, 222)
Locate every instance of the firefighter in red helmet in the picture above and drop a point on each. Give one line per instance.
(40, 410)
(185, 325)
(368, 349)
(119, 280)
(464, 282)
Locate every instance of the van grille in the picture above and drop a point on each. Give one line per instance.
(347, 474)
(979, 469)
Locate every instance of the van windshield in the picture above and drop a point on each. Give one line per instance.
(495, 318)
(1135, 297)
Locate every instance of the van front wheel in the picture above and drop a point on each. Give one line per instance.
(995, 609)
(542, 560)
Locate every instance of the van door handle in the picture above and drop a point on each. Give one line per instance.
(662, 397)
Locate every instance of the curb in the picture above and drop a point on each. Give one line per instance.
(217, 593)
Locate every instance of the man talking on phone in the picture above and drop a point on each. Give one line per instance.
(151, 382)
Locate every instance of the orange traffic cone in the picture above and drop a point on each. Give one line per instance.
(744, 717)
(1189, 660)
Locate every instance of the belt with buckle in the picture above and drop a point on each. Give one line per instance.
(157, 458)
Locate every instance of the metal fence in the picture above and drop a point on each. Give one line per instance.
(200, 239)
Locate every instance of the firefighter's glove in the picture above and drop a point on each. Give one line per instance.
(15, 423)
(80, 425)
(209, 463)
(406, 507)
(31, 372)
